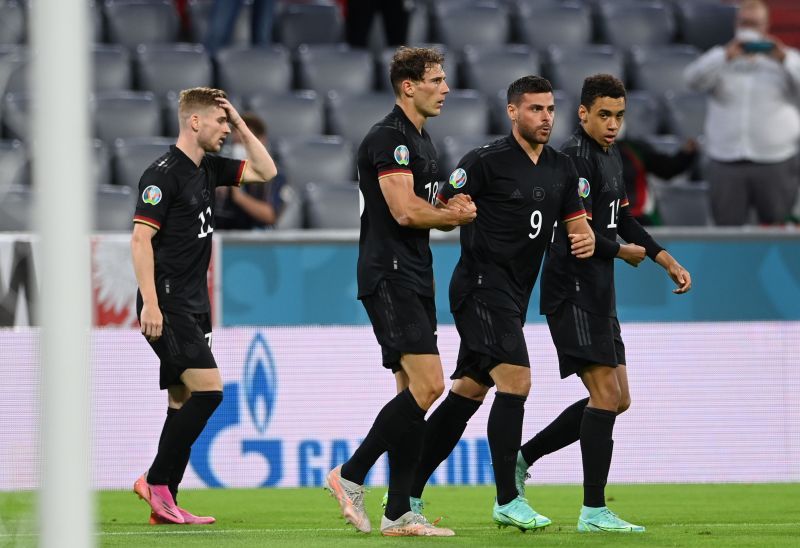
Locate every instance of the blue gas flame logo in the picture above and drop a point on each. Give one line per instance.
(260, 382)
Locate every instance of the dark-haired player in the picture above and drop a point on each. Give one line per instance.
(171, 250)
(579, 301)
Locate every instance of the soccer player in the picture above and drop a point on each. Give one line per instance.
(398, 179)
(522, 188)
(171, 249)
(579, 301)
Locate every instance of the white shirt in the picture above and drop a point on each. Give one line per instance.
(753, 107)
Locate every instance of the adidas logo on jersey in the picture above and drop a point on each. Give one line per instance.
(516, 195)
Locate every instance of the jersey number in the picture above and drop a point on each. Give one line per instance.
(205, 224)
(536, 224)
(614, 205)
(433, 191)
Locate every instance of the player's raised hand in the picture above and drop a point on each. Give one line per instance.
(234, 118)
(152, 322)
(582, 244)
(632, 254)
(681, 277)
(464, 208)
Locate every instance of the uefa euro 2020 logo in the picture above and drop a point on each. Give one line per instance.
(259, 384)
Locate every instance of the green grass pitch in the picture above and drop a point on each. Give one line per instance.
(761, 515)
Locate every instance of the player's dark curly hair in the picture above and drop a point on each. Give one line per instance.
(411, 63)
(527, 84)
(601, 85)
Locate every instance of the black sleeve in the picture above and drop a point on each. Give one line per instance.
(469, 177)
(388, 151)
(156, 192)
(605, 248)
(632, 232)
(224, 171)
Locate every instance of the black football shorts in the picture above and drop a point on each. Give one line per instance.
(185, 343)
(583, 339)
(490, 326)
(404, 322)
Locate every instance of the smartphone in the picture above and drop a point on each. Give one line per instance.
(759, 46)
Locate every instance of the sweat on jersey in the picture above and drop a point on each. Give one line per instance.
(519, 203)
(176, 197)
(387, 250)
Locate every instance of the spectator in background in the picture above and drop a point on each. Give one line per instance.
(222, 20)
(394, 13)
(250, 206)
(753, 122)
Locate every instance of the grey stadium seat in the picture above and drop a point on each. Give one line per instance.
(111, 68)
(101, 163)
(124, 114)
(315, 22)
(16, 209)
(114, 207)
(453, 149)
(13, 162)
(12, 23)
(290, 114)
(705, 23)
(642, 114)
(134, 22)
(465, 112)
(567, 24)
(686, 114)
(567, 68)
(199, 10)
(335, 67)
(132, 156)
(682, 203)
(162, 68)
(492, 68)
(332, 205)
(635, 23)
(659, 70)
(246, 71)
(14, 69)
(16, 115)
(316, 159)
(479, 23)
(352, 115)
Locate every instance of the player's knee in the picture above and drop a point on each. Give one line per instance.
(609, 398)
(429, 392)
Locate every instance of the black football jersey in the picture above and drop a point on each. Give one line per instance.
(176, 197)
(387, 250)
(588, 283)
(518, 203)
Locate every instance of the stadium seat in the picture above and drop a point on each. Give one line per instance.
(682, 203)
(246, 71)
(293, 215)
(12, 23)
(450, 67)
(315, 22)
(122, 114)
(111, 64)
(16, 209)
(660, 69)
(100, 163)
(14, 69)
(162, 68)
(16, 119)
(198, 12)
(455, 148)
(352, 115)
(541, 25)
(686, 114)
(132, 156)
(567, 68)
(13, 164)
(465, 112)
(96, 21)
(642, 115)
(332, 205)
(290, 114)
(492, 68)
(134, 22)
(705, 23)
(318, 159)
(335, 67)
(478, 23)
(626, 23)
(113, 208)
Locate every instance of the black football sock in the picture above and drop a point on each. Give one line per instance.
(403, 462)
(443, 429)
(177, 473)
(505, 433)
(171, 412)
(563, 431)
(390, 425)
(597, 428)
(184, 427)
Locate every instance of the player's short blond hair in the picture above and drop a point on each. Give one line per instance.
(192, 100)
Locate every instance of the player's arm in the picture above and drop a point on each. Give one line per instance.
(144, 266)
(675, 271)
(411, 211)
(581, 237)
(259, 167)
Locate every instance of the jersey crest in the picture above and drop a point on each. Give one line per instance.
(401, 155)
(152, 195)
